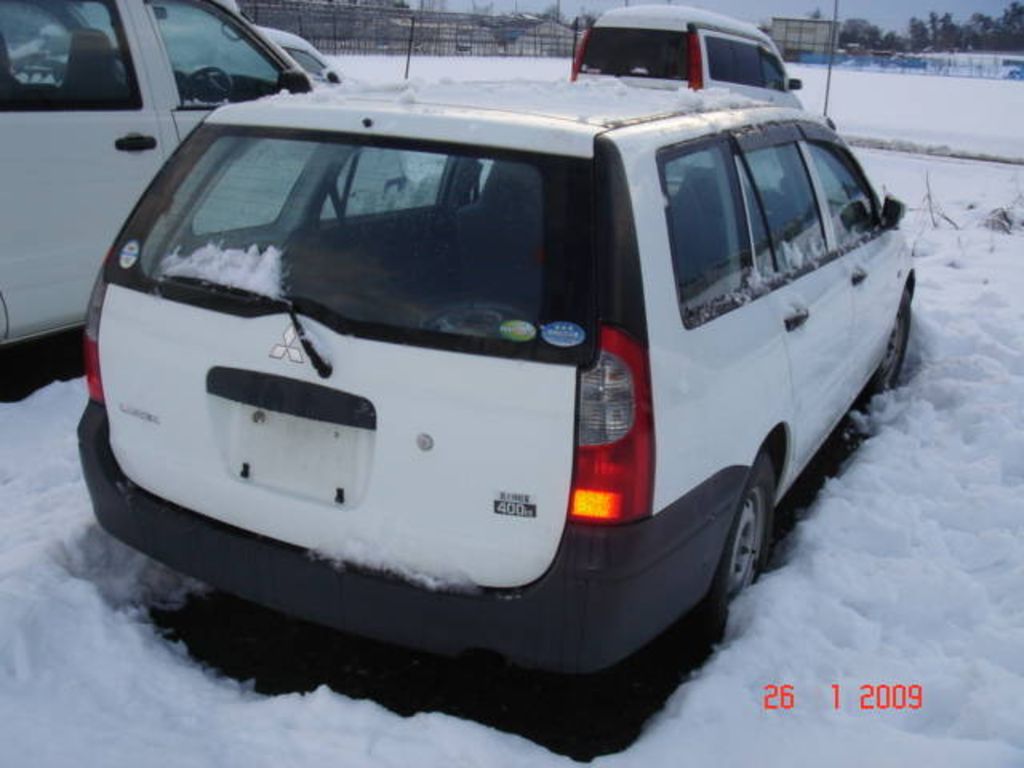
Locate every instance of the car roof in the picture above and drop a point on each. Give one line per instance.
(678, 18)
(553, 117)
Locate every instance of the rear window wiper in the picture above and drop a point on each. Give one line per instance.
(323, 366)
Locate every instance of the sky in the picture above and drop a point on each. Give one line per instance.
(888, 14)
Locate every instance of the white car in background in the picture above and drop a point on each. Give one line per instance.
(305, 54)
(675, 45)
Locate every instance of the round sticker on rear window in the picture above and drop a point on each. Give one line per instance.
(563, 334)
(517, 330)
(129, 254)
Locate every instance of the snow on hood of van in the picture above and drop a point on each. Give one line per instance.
(561, 117)
(250, 269)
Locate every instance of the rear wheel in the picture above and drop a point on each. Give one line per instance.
(888, 373)
(747, 547)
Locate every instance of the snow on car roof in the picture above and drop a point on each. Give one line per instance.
(556, 117)
(675, 17)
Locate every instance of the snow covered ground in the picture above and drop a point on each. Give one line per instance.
(908, 569)
(962, 114)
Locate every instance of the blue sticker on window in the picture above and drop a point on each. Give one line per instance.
(129, 254)
(563, 334)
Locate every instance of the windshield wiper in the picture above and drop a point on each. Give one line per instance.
(322, 366)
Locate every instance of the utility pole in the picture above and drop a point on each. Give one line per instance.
(832, 51)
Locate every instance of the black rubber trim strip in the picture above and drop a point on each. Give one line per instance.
(620, 281)
(296, 398)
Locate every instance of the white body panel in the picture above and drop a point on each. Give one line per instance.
(66, 192)
(66, 189)
(497, 426)
(718, 389)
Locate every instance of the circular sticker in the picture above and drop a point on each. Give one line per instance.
(563, 334)
(517, 330)
(129, 254)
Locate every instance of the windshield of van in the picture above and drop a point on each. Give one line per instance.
(412, 242)
(636, 53)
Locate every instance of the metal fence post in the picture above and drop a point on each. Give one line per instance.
(408, 53)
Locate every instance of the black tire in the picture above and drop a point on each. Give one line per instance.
(888, 374)
(737, 570)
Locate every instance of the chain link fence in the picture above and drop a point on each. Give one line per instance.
(339, 28)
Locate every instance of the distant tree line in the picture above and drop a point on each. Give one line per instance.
(939, 33)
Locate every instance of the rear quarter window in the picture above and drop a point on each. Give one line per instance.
(707, 229)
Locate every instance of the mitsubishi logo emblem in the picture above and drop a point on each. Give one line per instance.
(292, 347)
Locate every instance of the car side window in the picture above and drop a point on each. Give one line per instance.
(850, 202)
(772, 71)
(764, 263)
(64, 55)
(785, 191)
(213, 61)
(732, 61)
(709, 239)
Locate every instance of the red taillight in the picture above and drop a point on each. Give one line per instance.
(91, 338)
(614, 465)
(581, 50)
(695, 62)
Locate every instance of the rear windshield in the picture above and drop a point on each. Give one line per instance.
(442, 246)
(636, 53)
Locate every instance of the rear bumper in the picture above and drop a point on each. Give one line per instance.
(608, 591)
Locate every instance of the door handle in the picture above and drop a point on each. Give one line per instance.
(135, 142)
(798, 318)
(858, 276)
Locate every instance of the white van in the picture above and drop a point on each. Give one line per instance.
(521, 368)
(94, 96)
(673, 45)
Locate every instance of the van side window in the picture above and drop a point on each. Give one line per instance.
(731, 61)
(772, 72)
(710, 247)
(785, 190)
(64, 56)
(850, 202)
(213, 60)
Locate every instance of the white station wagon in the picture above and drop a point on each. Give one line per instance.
(522, 368)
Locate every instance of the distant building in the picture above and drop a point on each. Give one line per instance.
(800, 36)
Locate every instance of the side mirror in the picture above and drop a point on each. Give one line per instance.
(892, 212)
(332, 77)
(795, 84)
(293, 81)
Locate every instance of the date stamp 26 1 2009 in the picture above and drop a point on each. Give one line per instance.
(870, 696)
